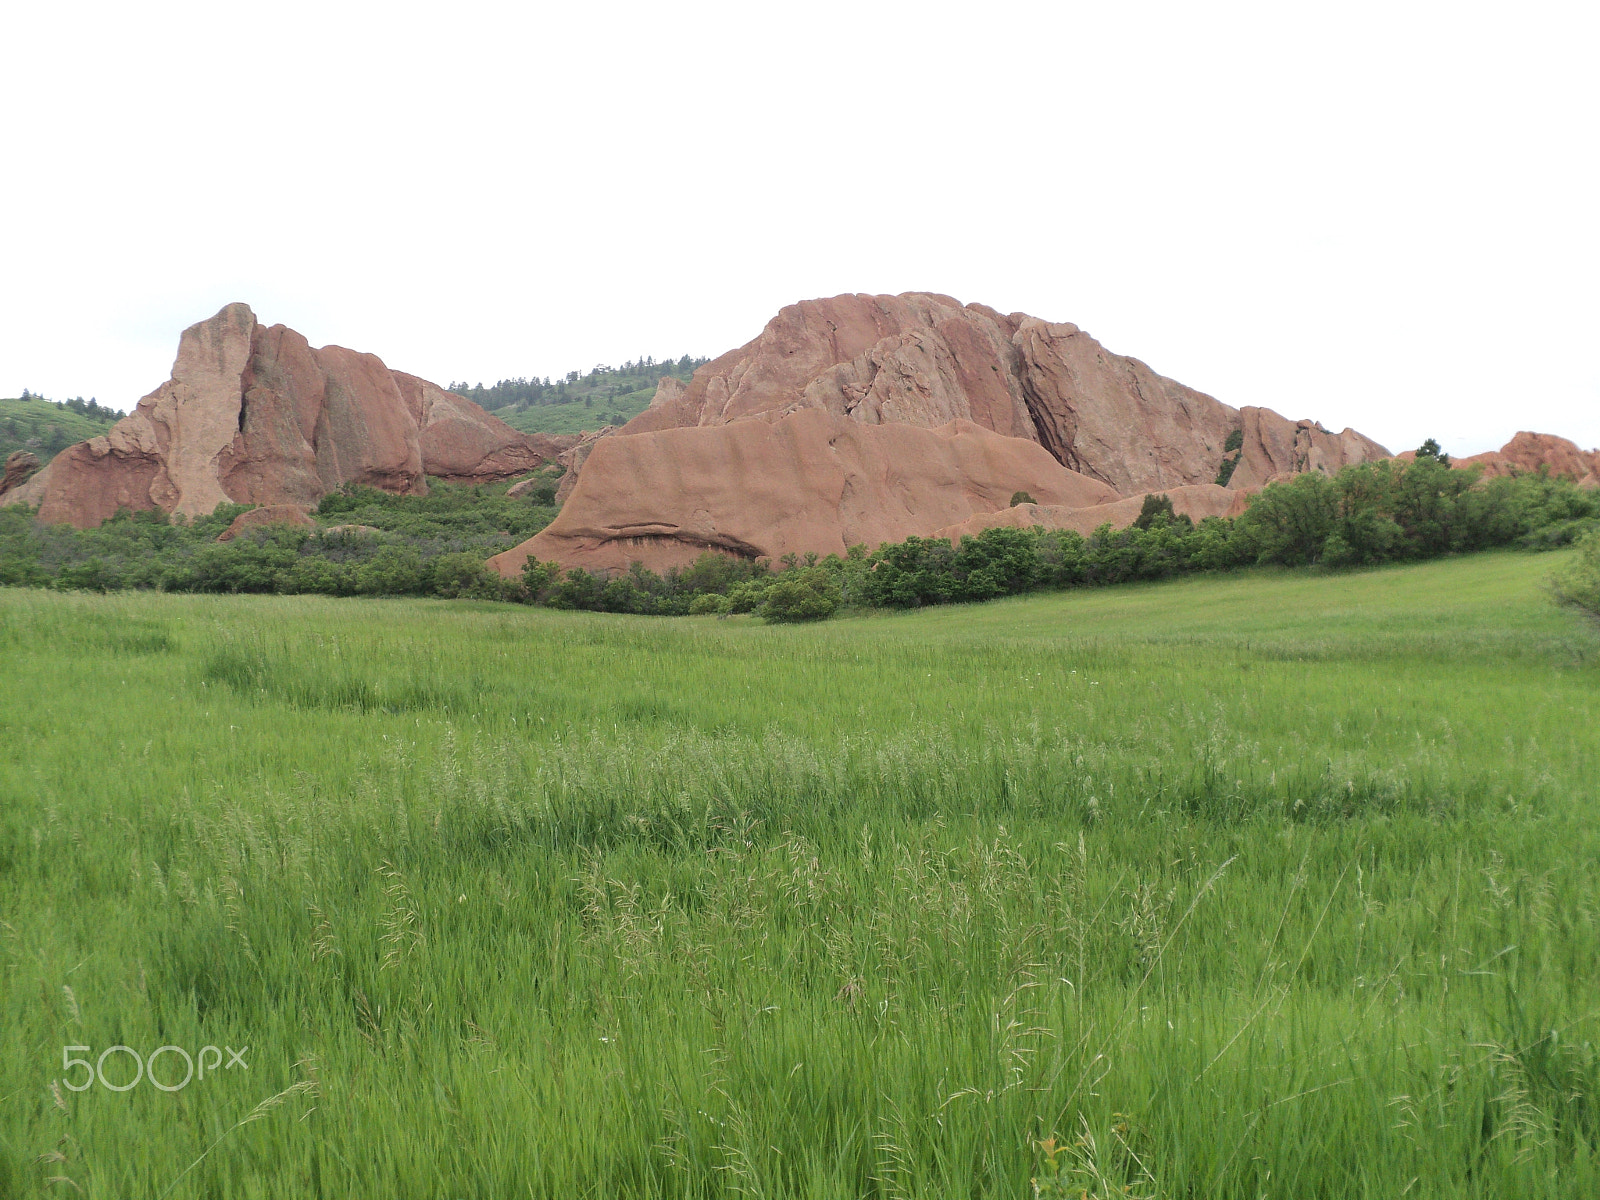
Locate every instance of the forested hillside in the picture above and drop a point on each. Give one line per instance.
(606, 395)
(47, 427)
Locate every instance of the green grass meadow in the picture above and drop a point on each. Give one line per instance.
(1277, 884)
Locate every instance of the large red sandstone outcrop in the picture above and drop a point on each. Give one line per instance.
(925, 359)
(1196, 501)
(1529, 453)
(254, 415)
(811, 481)
(914, 361)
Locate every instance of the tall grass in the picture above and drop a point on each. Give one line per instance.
(1260, 886)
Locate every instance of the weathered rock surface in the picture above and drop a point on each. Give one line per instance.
(668, 389)
(20, 465)
(917, 361)
(271, 514)
(1276, 448)
(573, 458)
(1196, 501)
(924, 359)
(255, 415)
(811, 481)
(1528, 453)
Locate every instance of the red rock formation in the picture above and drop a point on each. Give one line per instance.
(1276, 448)
(19, 468)
(296, 515)
(1196, 501)
(255, 415)
(573, 458)
(925, 359)
(811, 481)
(918, 360)
(1528, 453)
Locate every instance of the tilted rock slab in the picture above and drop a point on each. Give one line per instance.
(809, 482)
(254, 415)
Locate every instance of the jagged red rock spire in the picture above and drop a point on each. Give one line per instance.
(254, 415)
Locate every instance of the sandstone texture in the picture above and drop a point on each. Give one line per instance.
(917, 361)
(811, 481)
(1276, 448)
(573, 458)
(1196, 501)
(271, 514)
(253, 414)
(668, 388)
(925, 359)
(20, 466)
(1529, 453)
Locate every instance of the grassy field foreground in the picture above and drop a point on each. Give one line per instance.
(1265, 885)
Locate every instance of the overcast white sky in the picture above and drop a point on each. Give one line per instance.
(1381, 215)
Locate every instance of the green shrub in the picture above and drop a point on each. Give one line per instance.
(1156, 507)
(92, 576)
(747, 597)
(801, 594)
(462, 574)
(1289, 523)
(1562, 533)
(1021, 498)
(998, 562)
(537, 576)
(1578, 587)
(708, 602)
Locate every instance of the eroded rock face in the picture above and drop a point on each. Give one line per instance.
(1276, 448)
(810, 482)
(1528, 453)
(573, 458)
(924, 359)
(20, 466)
(253, 414)
(917, 361)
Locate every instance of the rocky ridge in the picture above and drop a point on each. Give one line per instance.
(925, 359)
(253, 414)
(1530, 453)
(917, 361)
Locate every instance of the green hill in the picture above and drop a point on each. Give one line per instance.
(46, 427)
(579, 401)
(578, 416)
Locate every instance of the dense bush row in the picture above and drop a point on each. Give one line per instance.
(431, 545)
(436, 545)
(1387, 511)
